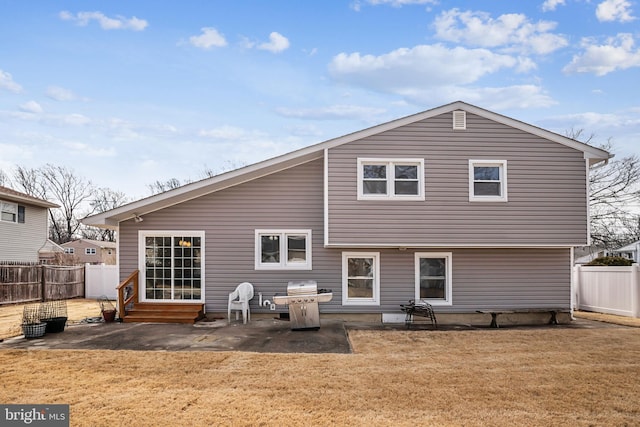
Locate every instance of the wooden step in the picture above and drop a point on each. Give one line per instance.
(165, 313)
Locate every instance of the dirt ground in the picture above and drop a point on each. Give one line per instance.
(77, 310)
(514, 377)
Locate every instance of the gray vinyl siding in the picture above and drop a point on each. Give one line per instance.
(293, 199)
(21, 242)
(290, 199)
(485, 279)
(546, 187)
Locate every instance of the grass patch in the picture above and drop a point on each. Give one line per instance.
(518, 377)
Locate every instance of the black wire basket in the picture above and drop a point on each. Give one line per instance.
(54, 314)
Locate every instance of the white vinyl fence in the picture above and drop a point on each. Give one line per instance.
(611, 290)
(101, 280)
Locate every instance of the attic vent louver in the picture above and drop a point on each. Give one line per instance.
(459, 120)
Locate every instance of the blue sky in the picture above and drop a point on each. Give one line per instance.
(130, 92)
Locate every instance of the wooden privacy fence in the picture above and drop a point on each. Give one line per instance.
(612, 290)
(24, 283)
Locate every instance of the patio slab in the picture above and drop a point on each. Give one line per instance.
(262, 335)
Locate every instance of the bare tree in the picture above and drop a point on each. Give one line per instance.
(73, 194)
(161, 186)
(104, 199)
(29, 181)
(229, 165)
(614, 197)
(4, 178)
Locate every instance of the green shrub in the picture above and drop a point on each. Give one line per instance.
(611, 261)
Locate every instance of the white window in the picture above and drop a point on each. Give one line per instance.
(8, 212)
(90, 251)
(171, 265)
(433, 277)
(283, 250)
(488, 180)
(361, 278)
(397, 179)
(69, 251)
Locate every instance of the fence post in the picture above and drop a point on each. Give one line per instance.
(575, 295)
(43, 286)
(635, 292)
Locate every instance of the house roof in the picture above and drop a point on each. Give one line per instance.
(99, 243)
(631, 247)
(16, 196)
(111, 218)
(50, 246)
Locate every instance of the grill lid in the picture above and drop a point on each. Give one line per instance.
(302, 287)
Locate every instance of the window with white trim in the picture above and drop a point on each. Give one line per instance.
(397, 179)
(488, 180)
(171, 265)
(361, 278)
(283, 249)
(433, 277)
(89, 251)
(11, 212)
(69, 250)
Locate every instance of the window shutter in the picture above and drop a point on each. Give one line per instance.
(21, 211)
(459, 120)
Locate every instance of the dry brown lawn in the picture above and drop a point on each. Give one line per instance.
(77, 310)
(505, 377)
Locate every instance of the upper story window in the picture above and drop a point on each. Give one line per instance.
(283, 250)
(69, 250)
(397, 179)
(90, 251)
(11, 212)
(488, 180)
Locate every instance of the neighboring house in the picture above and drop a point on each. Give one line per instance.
(629, 251)
(457, 206)
(24, 225)
(50, 252)
(586, 254)
(91, 251)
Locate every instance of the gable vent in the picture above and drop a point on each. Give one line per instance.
(459, 120)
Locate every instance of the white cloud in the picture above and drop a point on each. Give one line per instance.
(60, 94)
(209, 38)
(614, 10)
(429, 74)
(106, 23)
(421, 66)
(510, 31)
(276, 44)
(332, 112)
(31, 107)
(618, 53)
(493, 98)
(550, 5)
(6, 82)
(621, 127)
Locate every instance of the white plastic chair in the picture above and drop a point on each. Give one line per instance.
(239, 300)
